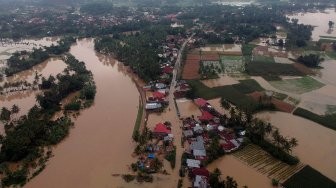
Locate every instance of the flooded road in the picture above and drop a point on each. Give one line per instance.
(100, 144)
(319, 20)
(317, 144)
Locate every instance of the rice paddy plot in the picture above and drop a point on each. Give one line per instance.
(264, 163)
(232, 64)
(264, 59)
(297, 85)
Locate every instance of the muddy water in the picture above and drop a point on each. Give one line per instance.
(222, 81)
(100, 144)
(243, 174)
(317, 144)
(7, 47)
(52, 66)
(319, 20)
(26, 99)
(327, 74)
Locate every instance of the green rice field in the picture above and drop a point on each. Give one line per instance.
(298, 85)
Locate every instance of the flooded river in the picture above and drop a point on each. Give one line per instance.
(100, 144)
(317, 144)
(319, 20)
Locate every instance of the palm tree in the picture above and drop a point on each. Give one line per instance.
(230, 182)
(293, 142)
(225, 104)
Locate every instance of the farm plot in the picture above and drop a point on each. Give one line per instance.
(190, 69)
(210, 69)
(297, 86)
(263, 59)
(232, 64)
(263, 162)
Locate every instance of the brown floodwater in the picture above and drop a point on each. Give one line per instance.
(317, 144)
(222, 81)
(7, 46)
(52, 66)
(319, 20)
(100, 145)
(243, 174)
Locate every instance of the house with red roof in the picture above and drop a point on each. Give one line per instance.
(161, 130)
(206, 116)
(201, 102)
(200, 172)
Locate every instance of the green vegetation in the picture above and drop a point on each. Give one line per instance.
(138, 119)
(228, 92)
(74, 105)
(326, 120)
(209, 69)
(27, 137)
(247, 51)
(232, 64)
(248, 86)
(311, 60)
(308, 177)
(271, 71)
(263, 59)
(171, 157)
(332, 55)
(138, 51)
(216, 181)
(298, 85)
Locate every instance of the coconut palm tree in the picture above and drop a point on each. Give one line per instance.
(230, 182)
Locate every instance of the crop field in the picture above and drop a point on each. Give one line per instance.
(263, 59)
(297, 86)
(309, 178)
(271, 71)
(263, 162)
(232, 64)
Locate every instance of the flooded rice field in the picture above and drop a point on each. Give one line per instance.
(317, 144)
(100, 145)
(319, 20)
(8, 46)
(222, 81)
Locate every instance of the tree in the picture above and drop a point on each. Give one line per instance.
(225, 104)
(331, 24)
(15, 109)
(5, 114)
(230, 182)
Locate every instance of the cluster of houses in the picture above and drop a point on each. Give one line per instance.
(156, 148)
(196, 131)
(157, 92)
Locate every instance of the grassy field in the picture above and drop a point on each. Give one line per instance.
(230, 93)
(298, 85)
(332, 55)
(309, 178)
(138, 119)
(271, 71)
(248, 86)
(232, 64)
(247, 51)
(263, 59)
(327, 120)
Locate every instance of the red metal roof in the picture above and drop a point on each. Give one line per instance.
(205, 116)
(158, 95)
(200, 172)
(201, 102)
(161, 128)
